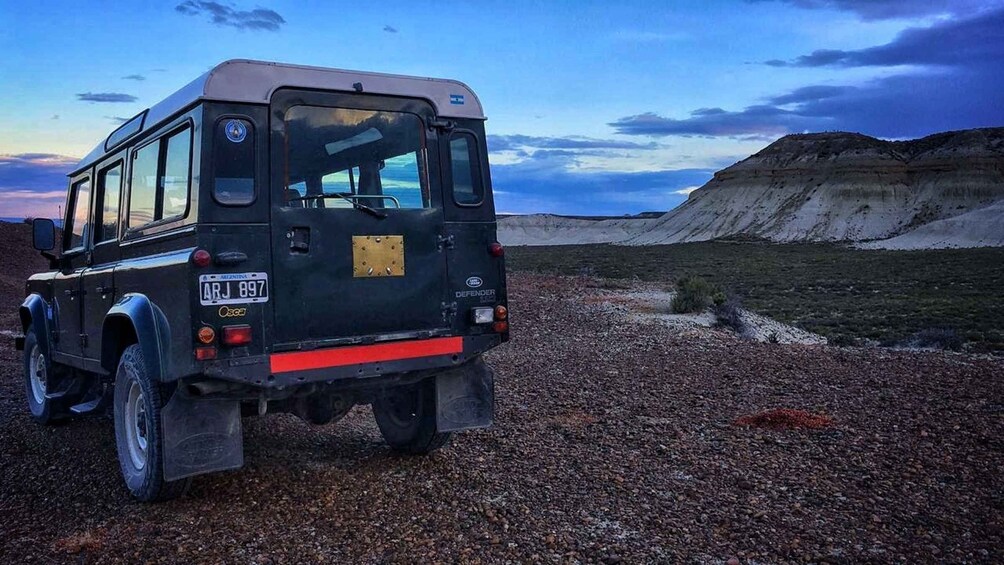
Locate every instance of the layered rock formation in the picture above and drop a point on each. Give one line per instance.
(947, 190)
(841, 187)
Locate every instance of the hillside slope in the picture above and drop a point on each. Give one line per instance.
(546, 229)
(844, 187)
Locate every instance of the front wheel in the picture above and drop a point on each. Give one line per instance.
(138, 434)
(406, 416)
(38, 374)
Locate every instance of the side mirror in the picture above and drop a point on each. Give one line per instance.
(43, 234)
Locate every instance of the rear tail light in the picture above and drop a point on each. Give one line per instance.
(496, 249)
(201, 258)
(205, 353)
(237, 335)
(501, 313)
(207, 334)
(501, 326)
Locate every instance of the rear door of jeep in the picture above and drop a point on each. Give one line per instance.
(357, 226)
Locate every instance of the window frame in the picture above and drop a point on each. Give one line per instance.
(100, 187)
(159, 189)
(213, 153)
(68, 218)
(474, 158)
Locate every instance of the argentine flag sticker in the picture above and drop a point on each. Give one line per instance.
(456, 99)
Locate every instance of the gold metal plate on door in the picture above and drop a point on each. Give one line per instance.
(378, 256)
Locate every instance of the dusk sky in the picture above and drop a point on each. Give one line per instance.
(593, 107)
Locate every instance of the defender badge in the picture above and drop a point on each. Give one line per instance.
(474, 282)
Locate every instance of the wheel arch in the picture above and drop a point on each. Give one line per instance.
(136, 319)
(36, 309)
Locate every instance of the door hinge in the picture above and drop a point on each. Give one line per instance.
(442, 125)
(449, 311)
(445, 241)
(83, 340)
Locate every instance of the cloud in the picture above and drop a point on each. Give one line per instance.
(891, 9)
(955, 42)
(112, 97)
(33, 184)
(117, 119)
(518, 142)
(686, 191)
(898, 106)
(221, 15)
(955, 85)
(550, 187)
(754, 120)
(390, 29)
(134, 77)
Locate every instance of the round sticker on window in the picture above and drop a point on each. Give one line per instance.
(236, 131)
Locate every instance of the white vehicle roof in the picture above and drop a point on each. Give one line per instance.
(241, 80)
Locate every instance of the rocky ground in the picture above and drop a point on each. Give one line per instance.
(614, 442)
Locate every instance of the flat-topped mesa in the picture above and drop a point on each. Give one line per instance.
(839, 186)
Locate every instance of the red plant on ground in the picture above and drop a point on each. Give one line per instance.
(785, 419)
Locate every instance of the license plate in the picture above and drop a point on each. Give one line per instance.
(233, 288)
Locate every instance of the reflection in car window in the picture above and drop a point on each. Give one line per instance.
(159, 185)
(466, 186)
(375, 158)
(110, 184)
(79, 221)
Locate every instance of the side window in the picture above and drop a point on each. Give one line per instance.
(161, 177)
(233, 162)
(106, 222)
(174, 178)
(143, 188)
(75, 236)
(467, 188)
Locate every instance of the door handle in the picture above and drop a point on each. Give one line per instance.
(71, 293)
(105, 290)
(299, 240)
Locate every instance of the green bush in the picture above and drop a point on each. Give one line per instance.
(693, 294)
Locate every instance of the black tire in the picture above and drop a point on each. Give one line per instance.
(406, 416)
(138, 434)
(42, 409)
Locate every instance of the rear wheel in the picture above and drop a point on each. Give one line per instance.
(138, 434)
(406, 416)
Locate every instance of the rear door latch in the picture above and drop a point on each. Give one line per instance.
(445, 241)
(449, 311)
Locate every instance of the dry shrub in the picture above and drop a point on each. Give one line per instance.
(693, 294)
(90, 541)
(785, 419)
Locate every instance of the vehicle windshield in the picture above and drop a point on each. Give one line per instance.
(336, 157)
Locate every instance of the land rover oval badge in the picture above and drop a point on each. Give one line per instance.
(236, 131)
(474, 282)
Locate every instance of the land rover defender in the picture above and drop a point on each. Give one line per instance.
(272, 237)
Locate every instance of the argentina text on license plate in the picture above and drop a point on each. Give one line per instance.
(233, 288)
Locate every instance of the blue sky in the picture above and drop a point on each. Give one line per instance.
(594, 107)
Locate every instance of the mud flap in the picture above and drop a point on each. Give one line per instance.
(201, 436)
(465, 397)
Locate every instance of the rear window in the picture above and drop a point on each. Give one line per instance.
(234, 162)
(467, 188)
(336, 156)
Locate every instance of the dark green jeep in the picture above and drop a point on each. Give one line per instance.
(272, 237)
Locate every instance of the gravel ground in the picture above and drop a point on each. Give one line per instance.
(613, 443)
